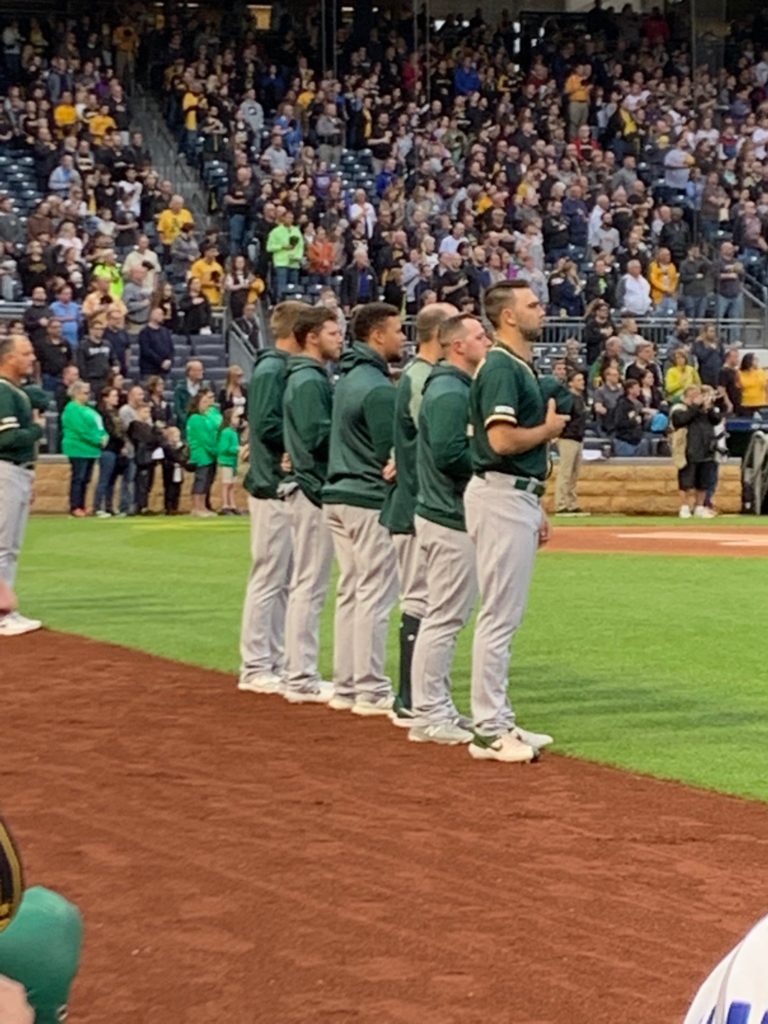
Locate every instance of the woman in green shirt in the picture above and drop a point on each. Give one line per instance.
(83, 438)
(202, 438)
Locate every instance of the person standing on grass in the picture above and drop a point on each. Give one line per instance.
(202, 431)
(359, 474)
(694, 421)
(105, 488)
(570, 446)
(307, 408)
(84, 438)
(227, 454)
(21, 427)
(263, 624)
(511, 427)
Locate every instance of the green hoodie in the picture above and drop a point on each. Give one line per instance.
(307, 408)
(265, 423)
(400, 503)
(362, 429)
(444, 462)
(202, 436)
(227, 447)
(82, 431)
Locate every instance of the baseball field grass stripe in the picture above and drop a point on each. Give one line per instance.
(651, 662)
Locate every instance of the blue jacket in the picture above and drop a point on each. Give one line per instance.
(466, 81)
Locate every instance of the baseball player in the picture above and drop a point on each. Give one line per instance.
(397, 513)
(21, 427)
(307, 407)
(511, 426)
(444, 469)
(361, 442)
(263, 626)
(41, 936)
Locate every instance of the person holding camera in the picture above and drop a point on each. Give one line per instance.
(693, 448)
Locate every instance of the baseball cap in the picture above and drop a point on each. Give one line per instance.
(11, 877)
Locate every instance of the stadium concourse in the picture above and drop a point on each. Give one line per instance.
(221, 243)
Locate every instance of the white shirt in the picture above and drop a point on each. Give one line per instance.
(450, 244)
(365, 212)
(637, 295)
(760, 138)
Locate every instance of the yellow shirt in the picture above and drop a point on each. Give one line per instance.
(664, 280)
(169, 224)
(65, 115)
(752, 387)
(678, 379)
(575, 91)
(191, 103)
(125, 39)
(100, 124)
(210, 283)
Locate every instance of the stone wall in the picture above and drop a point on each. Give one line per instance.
(613, 487)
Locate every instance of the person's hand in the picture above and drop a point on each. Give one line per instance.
(285, 463)
(554, 422)
(600, 408)
(14, 1008)
(43, 321)
(389, 472)
(545, 531)
(166, 364)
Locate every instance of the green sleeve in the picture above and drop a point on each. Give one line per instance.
(379, 415)
(276, 239)
(315, 401)
(417, 381)
(448, 436)
(265, 409)
(41, 950)
(12, 436)
(195, 431)
(498, 394)
(181, 400)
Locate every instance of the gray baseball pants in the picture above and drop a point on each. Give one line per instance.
(412, 573)
(449, 557)
(15, 501)
(367, 592)
(263, 626)
(312, 560)
(504, 526)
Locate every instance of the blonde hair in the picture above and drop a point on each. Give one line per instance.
(284, 317)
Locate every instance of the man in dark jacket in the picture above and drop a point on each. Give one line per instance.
(118, 340)
(695, 284)
(570, 446)
(261, 639)
(359, 474)
(307, 406)
(444, 468)
(155, 346)
(628, 422)
(94, 359)
(359, 282)
(698, 415)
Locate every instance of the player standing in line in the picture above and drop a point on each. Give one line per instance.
(263, 626)
(307, 408)
(444, 469)
(511, 426)
(399, 504)
(361, 443)
(20, 430)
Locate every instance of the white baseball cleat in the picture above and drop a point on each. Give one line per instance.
(261, 684)
(14, 624)
(321, 694)
(341, 703)
(537, 740)
(508, 748)
(369, 708)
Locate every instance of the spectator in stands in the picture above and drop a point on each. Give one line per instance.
(155, 346)
(166, 300)
(171, 221)
(233, 394)
(210, 273)
(693, 449)
(752, 383)
(600, 284)
(64, 177)
(98, 304)
(184, 251)
(359, 284)
(84, 437)
(143, 256)
(605, 399)
(664, 279)
(195, 309)
(629, 338)
(729, 281)
(241, 286)
(680, 376)
(94, 359)
(597, 329)
(11, 230)
(186, 390)
(53, 354)
(67, 311)
(634, 292)
(695, 272)
(37, 317)
(202, 437)
(137, 296)
(103, 503)
(118, 339)
(283, 241)
(570, 445)
(160, 411)
(629, 420)
(69, 375)
(729, 383)
(708, 352)
(643, 363)
(248, 326)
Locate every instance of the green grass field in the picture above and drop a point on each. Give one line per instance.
(652, 663)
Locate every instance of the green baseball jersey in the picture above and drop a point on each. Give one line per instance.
(41, 950)
(307, 410)
(506, 390)
(443, 460)
(400, 502)
(361, 430)
(18, 433)
(265, 423)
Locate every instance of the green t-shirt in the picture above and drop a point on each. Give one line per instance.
(506, 390)
(41, 950)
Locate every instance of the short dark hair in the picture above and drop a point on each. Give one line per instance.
(629, 384)
(500, 296)
(454, 328)
(370, 316)
(310, 321)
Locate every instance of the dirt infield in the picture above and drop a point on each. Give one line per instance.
(660, 540)
(238, 859)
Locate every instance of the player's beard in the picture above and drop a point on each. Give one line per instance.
(531, 334)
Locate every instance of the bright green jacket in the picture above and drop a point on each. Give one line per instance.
(277, 240)
(202, 438)
(83, 430)
(228, 447)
